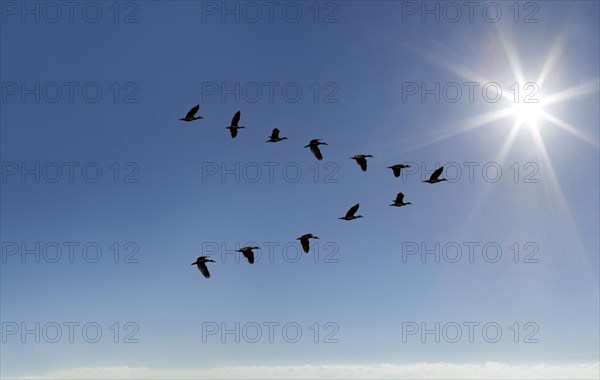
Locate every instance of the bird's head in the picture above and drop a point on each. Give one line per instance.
(368, 155)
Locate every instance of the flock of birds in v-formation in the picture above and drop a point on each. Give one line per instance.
(361, 160)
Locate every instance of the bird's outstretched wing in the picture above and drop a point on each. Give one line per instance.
(191, 113)
(236, 118)
(436, 174)
(352, 210)
(275, 134)
(249, 255)
(316, 151)
(233, 132)
(204, 270)
(363, 163)
(396, 171)
(399, 198)
(305, 244)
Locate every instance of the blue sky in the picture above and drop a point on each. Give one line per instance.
(353, 72)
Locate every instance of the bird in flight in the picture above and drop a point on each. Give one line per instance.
(275, 136)
(397, 168)
(304, 241)
(233, 128)
(248, 254)
(350, 214)
(361, 160)
(435, 177)
(201, 263)
(399, 201)
(191, 115)
(314, 148)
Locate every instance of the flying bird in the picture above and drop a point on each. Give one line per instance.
(435, 177)
(304, 241)
(233, 128)
(201, 263)
(191, 115)
(399, 201)
(275, 136)
(397, 168)
(314, 148)
(350, 214)
(248, 254)
(361, 160)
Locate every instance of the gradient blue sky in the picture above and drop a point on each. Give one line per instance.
(171, 212)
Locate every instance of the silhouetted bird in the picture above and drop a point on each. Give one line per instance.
(248, 254)
(314, 148)
(399, 201)
(435, 177)
(361, 160)
(233, 128)
(304, 241)
(396, 169)
(191, 115)
(201, 263)
(351, 212)
(275, 136)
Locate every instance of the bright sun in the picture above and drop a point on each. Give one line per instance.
(528, 114)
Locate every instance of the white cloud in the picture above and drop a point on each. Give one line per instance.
(490, 370)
